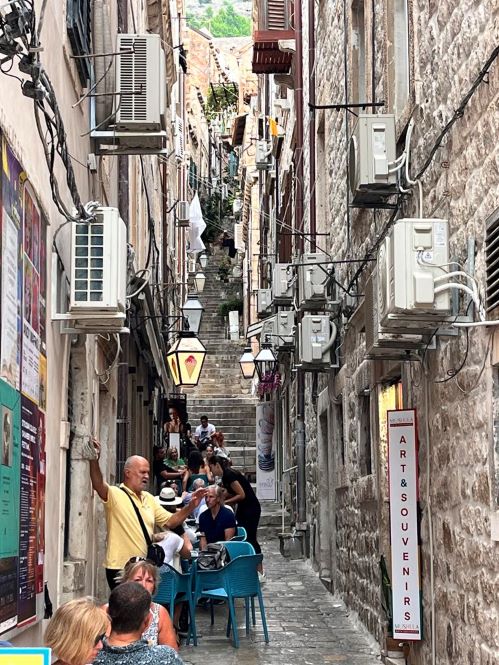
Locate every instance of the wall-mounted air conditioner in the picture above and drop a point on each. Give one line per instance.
(409, 261)
(140, 83)
(283, 284)
(372, 154)
(317, 340)
(268, 333)
(380, 342)
(183, 213)
(313, 278)
(98, 275)
(263, 158)
(263, 301)
(285, 326)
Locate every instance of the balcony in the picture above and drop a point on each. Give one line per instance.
(275, 23)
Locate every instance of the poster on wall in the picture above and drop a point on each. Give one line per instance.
(403, 485)
(265, 458)
(9, 503)
(23, 388)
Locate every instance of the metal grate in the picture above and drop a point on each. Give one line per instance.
(133, 79)
(89, 263)
(492, 260)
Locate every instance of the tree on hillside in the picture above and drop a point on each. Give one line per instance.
(226, 22)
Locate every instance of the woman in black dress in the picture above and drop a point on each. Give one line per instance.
(240, 494)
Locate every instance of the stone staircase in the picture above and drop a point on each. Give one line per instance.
(222, 394)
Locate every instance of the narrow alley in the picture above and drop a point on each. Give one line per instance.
(307, 625)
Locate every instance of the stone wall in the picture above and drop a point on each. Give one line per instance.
(449, 44)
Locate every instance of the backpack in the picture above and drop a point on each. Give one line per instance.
(214, 557)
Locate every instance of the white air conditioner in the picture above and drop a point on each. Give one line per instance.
(179, 138)
(140, 83)
(183, 213)
(409, 260)
(381, 342)
(263, 301)
(282, 284)
(313, 278)
(285, 325)
(263, 159)
(372, 153)
(317, 339)
(238, 237)
(99, 270)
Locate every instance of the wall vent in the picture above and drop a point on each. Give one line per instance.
(492, 260)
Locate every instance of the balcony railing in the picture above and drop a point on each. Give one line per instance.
(274, 24)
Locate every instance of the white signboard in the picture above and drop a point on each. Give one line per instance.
(265, 460)
(403, 475)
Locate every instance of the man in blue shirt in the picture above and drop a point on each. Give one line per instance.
(218, 522)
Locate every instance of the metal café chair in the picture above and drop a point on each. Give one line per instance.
(176, 587)
(238, 579)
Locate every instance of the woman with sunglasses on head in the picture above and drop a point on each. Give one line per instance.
(76, 631)
(160, 629)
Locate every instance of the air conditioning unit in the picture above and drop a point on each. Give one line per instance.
(381, 342)
(263, 301)
(409, 260)
(285, 325)
(317, 339)
(99, 271)
(313, 278)
(263, 159)
(371, 155)
(238, 237)
(283, 284)
(183, 213)
(140, 84)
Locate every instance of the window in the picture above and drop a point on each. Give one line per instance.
(358, 51)
(365, 454)
(339, 429)
(78, 24)
(400, 55)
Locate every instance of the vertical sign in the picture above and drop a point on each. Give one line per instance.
(403, 479)
(265, 461)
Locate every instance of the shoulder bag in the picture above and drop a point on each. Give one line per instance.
(155, 552)
(214, 557)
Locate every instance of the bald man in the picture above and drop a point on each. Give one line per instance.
(125, 538)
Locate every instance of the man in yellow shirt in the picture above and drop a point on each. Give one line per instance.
(125, 538)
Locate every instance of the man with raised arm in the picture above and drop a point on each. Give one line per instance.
(125, 538)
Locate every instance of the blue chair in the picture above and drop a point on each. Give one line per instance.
(241, 534)
(176, 587)
(237, 548)
(238, 579)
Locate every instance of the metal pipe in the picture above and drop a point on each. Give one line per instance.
(311, 134)
(300, 379)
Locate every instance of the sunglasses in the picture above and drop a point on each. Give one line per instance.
(99, 638)
(135, 559)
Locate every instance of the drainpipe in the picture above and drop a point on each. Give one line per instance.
(311, 135)
(122, 379)
(300, 379)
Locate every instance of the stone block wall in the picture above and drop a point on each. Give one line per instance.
(449, 44)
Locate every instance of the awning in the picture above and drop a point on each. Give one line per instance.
(238, 129)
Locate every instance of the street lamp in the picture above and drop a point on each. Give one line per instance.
(247, 362)
(186, 358)
(203, 260)
(192, 311)
(199, 281)
(266, 363)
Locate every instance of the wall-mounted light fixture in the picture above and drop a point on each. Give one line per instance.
(193, 310)
(247, 362)
(203, 260)
(199, 281)
(266, 363)
(186, 358)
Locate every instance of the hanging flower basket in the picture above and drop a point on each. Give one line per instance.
(269, 384)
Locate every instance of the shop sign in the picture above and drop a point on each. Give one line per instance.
(403, 480)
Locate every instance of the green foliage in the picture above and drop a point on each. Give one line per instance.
(232, 305)
(220, 98)
(226, 22)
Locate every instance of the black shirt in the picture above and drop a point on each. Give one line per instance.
(250, 501)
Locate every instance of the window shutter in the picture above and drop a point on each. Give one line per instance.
(79, 32)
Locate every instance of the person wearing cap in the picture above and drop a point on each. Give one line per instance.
(125, 538)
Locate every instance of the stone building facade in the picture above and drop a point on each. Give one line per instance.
(421, 60)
